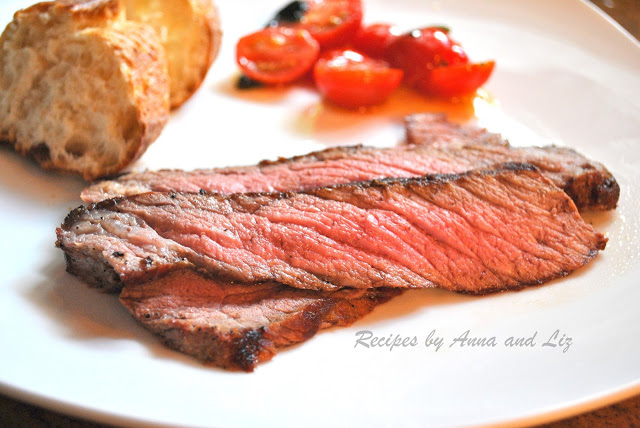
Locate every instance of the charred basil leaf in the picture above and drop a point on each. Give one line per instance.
(291, 13)
(245, 82)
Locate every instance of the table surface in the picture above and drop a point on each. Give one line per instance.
(626, 413)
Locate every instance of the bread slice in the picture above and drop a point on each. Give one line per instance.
(81, 89)
(190, 32)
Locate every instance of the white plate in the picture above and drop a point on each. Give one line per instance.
(565, 74)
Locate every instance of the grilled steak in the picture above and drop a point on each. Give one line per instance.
(477, 232)
(237, 326)
(434, 130)
(588, 183)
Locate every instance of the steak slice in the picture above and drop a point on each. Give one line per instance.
(237, 326)
(588, 183)
(478, 232)
(434, 130)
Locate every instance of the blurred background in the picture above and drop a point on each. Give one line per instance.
(626, 12)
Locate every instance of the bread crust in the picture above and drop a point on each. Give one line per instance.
(212, 25)
(191, 33)
(142, 69)
(80, 12)
(149, 82)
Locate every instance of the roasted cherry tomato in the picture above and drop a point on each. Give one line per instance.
(332, 23)
(374, 40)
(419, 51)
(277, 55)
(457, 80)
(352, 80)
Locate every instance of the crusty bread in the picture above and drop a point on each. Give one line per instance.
(81, 89)
(190, 32)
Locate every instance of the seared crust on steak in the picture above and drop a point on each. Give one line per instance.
(477, 232)
(593, 188)
(237, 326)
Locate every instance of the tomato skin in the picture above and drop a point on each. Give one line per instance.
(457, 80)
(277, 54)
(352, 80)
(332, 23)
(374, 39)
(419, 51)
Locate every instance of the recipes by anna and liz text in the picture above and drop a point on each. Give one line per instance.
(553, 340)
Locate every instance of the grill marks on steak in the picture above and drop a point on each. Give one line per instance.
(449, 148)
(477, 232)
(237, 326)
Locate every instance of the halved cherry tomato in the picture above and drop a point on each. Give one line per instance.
(352, 80)
(457, 80)
(419, 51)
(277, 55)
(375, 39)
(332, 23)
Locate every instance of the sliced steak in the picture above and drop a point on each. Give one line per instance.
(237, 326)
(588, 183)
(434, 130)
(477, 232)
